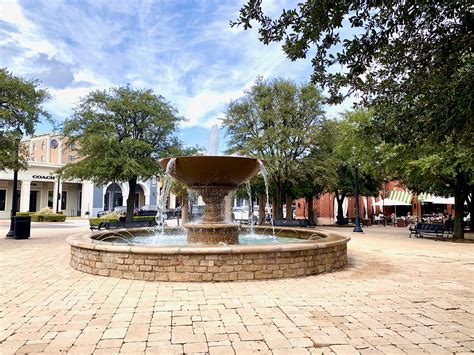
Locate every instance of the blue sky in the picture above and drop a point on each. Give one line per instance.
(184, 50)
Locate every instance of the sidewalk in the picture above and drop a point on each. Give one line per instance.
(397, 296)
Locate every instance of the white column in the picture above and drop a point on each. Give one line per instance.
(147, 199)
(25, 196)
(87, 198)
(172, 201)
(55, 196)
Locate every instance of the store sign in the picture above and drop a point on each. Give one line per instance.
(43, 177)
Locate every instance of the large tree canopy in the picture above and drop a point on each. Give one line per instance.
(20, 111)
(410, 61)
(121, 133)
(276, 121)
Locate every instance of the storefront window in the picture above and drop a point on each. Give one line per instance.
(63, 200)
(50, 199)
(3, 194)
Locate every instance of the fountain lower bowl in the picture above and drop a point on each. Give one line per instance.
(212, 233)
(316, 252)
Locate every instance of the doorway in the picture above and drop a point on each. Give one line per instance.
(33, 200)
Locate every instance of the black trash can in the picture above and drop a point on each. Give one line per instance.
(22, 227)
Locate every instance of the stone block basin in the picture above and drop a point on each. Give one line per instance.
(316, 251)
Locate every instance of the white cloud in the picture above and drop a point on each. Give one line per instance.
(190, 55)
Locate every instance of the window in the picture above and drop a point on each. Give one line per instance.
(43, 145)
(3, 194)
(34, 148)
(71, 157)
(33, 158)
(43, 158)
(72, 146)
(63, 200)
(50, 199)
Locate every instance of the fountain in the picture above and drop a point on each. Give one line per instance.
(211, 250)
(213, 177)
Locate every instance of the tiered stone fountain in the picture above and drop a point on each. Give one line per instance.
(212, 250)
(213, 177)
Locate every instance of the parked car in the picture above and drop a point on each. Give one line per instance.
(241, 214)
(120, 210)
(152, 210)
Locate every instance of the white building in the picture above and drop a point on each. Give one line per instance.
(38, 187)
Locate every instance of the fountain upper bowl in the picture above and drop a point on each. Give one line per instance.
(205, 170)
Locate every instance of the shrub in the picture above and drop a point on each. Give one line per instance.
(96, 221)
(24, 213)
(45, 210)
(36, 217)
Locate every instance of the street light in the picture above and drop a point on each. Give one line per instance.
(357, 227)
(11, 232)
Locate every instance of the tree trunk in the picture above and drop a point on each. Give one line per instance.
(279, 205)
(274, 208)
(185, 209)
(340, 211)
(261, 208)
(289, 206)
(458, 232)
(310, 210)
(132, 184)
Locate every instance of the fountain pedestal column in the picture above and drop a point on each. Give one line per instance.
(213, 229)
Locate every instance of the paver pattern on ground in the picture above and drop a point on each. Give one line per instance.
(397, 296)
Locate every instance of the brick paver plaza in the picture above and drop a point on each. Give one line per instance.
(397, 295)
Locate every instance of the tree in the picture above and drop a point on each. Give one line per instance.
(410, 61)
(440, 169)
(353, 144)
(121, 132)
(275, 121)
(20, 111)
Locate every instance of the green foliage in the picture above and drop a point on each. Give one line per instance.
(410, 61)
(276, 121)
(24, 213)
(96, 221)
(20, 110)
(55, 217)
(120, 133)
(43, 217)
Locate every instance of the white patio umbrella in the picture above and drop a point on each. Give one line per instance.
(390, 202)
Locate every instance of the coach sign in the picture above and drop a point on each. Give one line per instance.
(44, 177)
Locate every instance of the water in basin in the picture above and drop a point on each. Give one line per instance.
(180, 239)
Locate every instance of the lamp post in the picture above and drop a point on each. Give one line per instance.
(357, 227)
(11, 232)
(383, 201)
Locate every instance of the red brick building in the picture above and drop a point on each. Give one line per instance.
(325, 207)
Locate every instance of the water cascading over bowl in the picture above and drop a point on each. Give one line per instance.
(213, 177)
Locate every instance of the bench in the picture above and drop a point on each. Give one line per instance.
(291, 223)
(121, 224)
(428, 228)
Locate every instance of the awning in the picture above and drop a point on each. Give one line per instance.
(390, 202)
(402, 196)
(440, 200)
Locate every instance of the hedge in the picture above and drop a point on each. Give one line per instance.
(24, 213)
(47, 217)
(96, 221)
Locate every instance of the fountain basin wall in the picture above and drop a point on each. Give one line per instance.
(212, 263)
